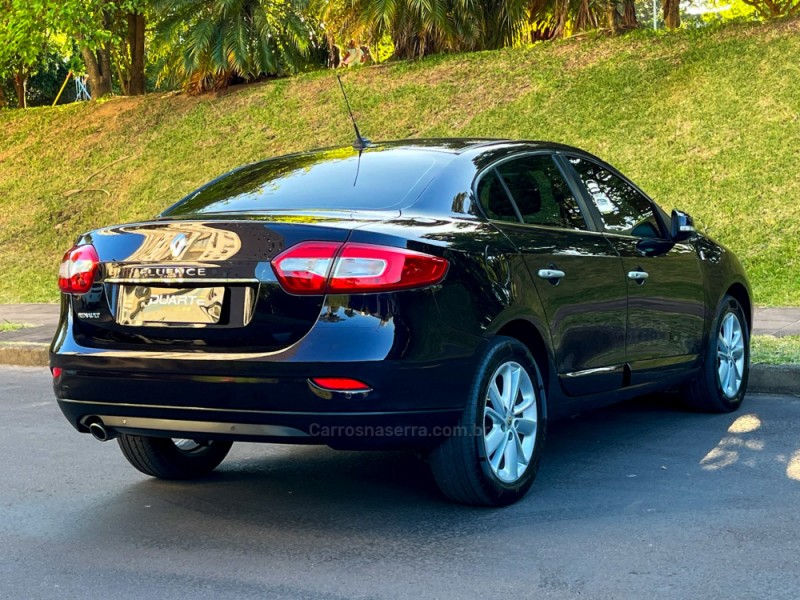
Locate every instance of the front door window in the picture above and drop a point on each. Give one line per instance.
(623, 210)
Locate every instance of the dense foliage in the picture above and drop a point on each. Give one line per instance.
(129, 46)
(705, 120)
(207, 43)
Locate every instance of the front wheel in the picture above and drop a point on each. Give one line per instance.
(492, 457)
(721, 385)
(168, 458)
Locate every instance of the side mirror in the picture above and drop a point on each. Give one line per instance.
(682, 226)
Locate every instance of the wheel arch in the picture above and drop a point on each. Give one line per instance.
(531, 337)
(742, 296)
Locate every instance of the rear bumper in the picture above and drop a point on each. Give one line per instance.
(259, 398)
(355, 431)
(408, 405)
(419, 371)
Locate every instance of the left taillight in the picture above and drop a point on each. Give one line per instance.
(351, 268)
(78, 270)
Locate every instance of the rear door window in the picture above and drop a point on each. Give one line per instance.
(541, 193)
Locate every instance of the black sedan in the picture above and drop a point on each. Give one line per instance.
(448, 295)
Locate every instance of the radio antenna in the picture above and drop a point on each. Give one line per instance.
(361, 142)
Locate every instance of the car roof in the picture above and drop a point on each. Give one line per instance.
(360, 178)
(462, 145)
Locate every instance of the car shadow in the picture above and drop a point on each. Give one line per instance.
(637, 457)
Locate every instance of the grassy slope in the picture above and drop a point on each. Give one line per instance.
(771, 350)
(708, 121)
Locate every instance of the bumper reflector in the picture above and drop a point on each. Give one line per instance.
(340, 384)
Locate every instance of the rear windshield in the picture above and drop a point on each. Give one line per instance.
(333, 179)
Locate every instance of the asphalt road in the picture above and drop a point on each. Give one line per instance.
(638, 501)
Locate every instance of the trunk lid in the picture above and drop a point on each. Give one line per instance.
(202, 284)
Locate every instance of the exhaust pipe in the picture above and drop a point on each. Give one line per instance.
(99, 431)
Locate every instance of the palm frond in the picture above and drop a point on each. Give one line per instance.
(220, 38)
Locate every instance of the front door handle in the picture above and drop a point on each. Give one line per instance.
(551, 274)
(638, 276)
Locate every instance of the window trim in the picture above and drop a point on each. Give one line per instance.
(509, 195)
(588, 217)
(596, 216)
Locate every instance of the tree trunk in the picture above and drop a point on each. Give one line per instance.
(561, 14)
(123, 79)
(629, 16)
(20, 80)
(98, 66)
(586, 19)
(2, 98)
(415, 46)
(136, 24)
(104, 54)
(672, 15)
(612, 15)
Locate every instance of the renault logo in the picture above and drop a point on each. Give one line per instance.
(178, 245)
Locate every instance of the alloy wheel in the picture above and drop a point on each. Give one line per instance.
(510, 421)
(730, 355)
(189, 446)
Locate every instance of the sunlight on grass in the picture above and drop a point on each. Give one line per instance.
(12, 326)
(706, 121)
(770, 350)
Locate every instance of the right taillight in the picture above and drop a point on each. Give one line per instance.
(335, 268)
(78, 270)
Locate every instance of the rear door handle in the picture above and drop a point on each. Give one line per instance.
(638, 276)
(551, 274)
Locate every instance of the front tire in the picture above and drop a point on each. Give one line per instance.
(166, 458)
(493, 455)
(721, 385)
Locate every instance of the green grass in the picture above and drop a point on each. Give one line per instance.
(771, 350)
(704, 120)
(11, 327)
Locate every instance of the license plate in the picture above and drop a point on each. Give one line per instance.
(142, 305)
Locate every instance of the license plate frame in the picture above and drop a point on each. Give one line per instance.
(159, 306)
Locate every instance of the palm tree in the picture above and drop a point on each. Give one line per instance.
(552, 19)
(417, 27)
(203, 44)
(501, 21)
(420, 27)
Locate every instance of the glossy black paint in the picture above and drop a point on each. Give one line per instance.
(666, 313)
(585, 311)
(598, 336)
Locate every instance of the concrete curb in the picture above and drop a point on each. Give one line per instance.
(764, 379)
(775, 379)
(22, 354)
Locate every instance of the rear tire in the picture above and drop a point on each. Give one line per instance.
(493, 455)
(166, 458)
(721, 385)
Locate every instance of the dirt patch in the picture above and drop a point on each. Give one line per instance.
(107, 113)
